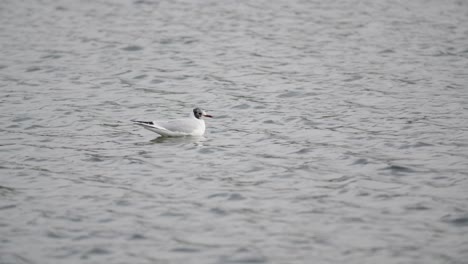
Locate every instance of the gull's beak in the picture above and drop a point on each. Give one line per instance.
(205, 115)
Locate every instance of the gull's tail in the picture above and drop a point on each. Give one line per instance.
(152, 126)
(142, 122)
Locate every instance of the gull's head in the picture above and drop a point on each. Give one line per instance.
(199, 113)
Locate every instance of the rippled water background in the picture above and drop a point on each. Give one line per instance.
(341, 132)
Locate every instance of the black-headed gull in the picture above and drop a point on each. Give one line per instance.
(192, 126)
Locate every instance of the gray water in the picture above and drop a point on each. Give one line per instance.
(340, 132)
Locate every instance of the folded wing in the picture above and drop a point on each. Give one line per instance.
(170, 128)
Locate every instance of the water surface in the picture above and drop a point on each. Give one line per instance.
(340, 132)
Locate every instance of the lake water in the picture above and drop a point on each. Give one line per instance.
(340, 132)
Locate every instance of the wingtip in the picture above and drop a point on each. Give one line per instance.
(142, 122)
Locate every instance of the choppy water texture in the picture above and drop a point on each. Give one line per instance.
(340, 134)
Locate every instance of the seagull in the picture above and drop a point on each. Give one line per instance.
(192, 126)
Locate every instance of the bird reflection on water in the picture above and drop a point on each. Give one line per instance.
(198, 141)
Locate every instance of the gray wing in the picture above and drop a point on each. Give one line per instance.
(181, 125)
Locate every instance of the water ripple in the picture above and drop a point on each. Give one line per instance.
(340, 132)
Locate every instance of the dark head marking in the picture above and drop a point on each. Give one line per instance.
(198, 113)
